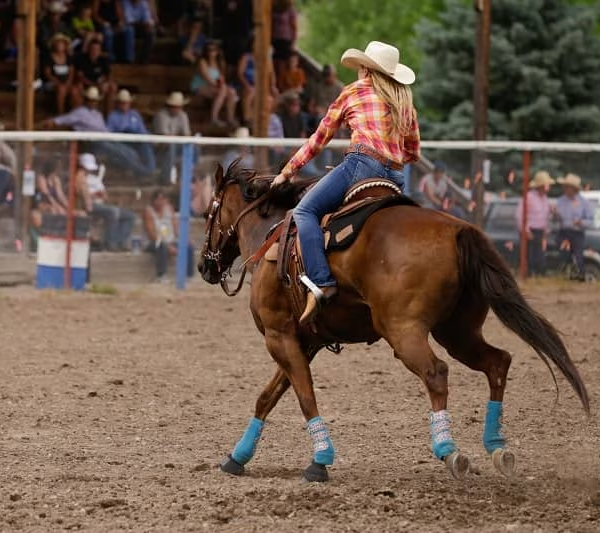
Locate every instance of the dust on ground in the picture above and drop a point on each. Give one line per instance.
(116, 410)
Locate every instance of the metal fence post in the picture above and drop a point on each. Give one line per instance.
(187, 167)
(524, 229)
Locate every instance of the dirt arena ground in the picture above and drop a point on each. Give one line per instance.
(117, 409)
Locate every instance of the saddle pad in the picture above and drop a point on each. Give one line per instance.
(344, 229)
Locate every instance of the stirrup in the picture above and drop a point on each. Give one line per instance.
(312, 287)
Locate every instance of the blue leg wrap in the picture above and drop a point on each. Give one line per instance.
(322, 445)
(492, 432)
(442, 444)
(246, 446)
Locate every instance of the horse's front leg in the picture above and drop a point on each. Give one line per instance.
(246, 446)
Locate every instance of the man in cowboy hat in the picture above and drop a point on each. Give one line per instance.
(575, 216)
(124, 119)
(171, 120)
(537, 221)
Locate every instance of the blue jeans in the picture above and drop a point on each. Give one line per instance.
(129, 43)
(118, 223)
(325, 197)
(161, 254)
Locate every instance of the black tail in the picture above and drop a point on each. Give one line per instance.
(482, 269)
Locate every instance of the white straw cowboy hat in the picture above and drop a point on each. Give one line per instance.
(541, 179)
(241, 133)
(176, 99)
(57, 7)
(124, 96)
(572, 180)
(380, 57)
(92, 93)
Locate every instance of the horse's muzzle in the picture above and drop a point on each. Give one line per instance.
(209, 271)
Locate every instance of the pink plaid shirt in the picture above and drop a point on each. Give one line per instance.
(368, 118)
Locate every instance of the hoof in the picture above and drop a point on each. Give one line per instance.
(315, 473)
(458, 464)
(504, 462)
(229, 466)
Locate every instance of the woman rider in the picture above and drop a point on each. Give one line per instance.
(378, 109)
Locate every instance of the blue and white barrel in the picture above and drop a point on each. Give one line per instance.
(52, 253)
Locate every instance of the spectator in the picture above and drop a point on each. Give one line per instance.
(209, 82)
(246, 79)
(118, 222)
(236, 25)
(88, 118)
(108, 16)
(8, 172)
(575, 215)
(83, 29)
(294, 125)
(435, 187)
(59, 71)
(537, 222)
(92, 69)
(234, 152)
(138, 14)
(51, 24)
(171, 120)
(292, 76)
(124, 119)
(324, 94)
(284, 31)
(162, 229)
(192, 29)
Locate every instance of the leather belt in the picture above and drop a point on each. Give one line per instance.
(362, 149)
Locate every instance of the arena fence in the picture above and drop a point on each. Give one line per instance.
(507, 167)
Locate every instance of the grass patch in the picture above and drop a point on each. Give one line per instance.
(98, 288)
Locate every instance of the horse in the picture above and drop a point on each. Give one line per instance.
(410, 272)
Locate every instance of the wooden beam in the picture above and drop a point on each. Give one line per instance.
(262, 75)
(26, 63)
(483, 11)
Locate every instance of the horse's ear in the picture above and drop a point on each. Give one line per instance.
(219, 175)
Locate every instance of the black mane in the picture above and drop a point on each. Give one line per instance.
(255, 185)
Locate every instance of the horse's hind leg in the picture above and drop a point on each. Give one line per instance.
(464, 341)
(411, 346)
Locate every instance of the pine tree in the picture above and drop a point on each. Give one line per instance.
(544, 72)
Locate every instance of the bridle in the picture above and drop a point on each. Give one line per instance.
(215, 255)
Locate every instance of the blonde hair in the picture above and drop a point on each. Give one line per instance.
(399, 98)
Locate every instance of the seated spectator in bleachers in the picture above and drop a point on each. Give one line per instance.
(124, 119)
(292, 77)
(8, 172)
(118, 222)
(58, 70)
(138, 14)
(171, 120)
(161, 226)
(51, 23)
(209, 82)
(243, 152)
(324, 94)
(8, 17)
(192, 29)
(235, 29)
(246, 72)
(92, 69)
(107, 17)
(88, 118)
(83, 28)
(291, 115)
(284, 31)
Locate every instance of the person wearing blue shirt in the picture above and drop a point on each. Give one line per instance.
(124, 119)
(575, 215)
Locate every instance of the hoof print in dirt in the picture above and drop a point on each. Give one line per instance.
(229, 466)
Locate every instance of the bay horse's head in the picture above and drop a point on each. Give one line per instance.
(238, 192)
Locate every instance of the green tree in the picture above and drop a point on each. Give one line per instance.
(544, 71)
(332, 26)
